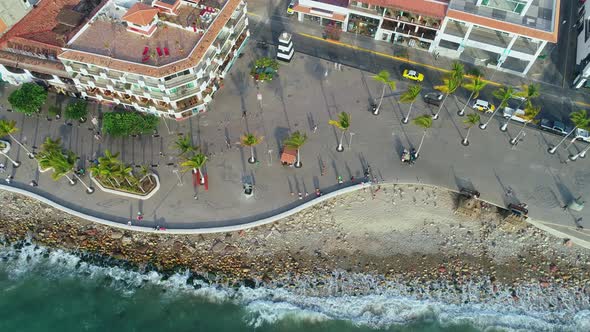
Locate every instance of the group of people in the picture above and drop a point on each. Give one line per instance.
(409, 156)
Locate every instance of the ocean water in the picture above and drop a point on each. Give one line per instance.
(51, 290)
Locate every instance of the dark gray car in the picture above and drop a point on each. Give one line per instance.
(433, 98)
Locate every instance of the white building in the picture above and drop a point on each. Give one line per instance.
(507, 35)
(583, 48)
(168, 58)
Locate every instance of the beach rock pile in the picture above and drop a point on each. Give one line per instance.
(391, 233)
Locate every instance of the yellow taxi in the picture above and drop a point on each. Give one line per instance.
(290, 10)
(413, 75)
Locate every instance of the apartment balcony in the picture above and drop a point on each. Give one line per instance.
(189, 102)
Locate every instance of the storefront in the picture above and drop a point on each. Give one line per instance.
(320, 16)
(363, 25)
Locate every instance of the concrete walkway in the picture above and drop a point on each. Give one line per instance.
(308, 92)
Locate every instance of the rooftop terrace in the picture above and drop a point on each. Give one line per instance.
(173, 40)
(541, 15)
(161, 66)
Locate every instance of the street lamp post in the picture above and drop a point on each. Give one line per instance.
(350, 139)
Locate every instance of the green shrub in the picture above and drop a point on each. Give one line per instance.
(128, 123)
(77, 110)
(28, 98)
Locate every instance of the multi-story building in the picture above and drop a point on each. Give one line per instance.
(583, 47)
(411, 23)
(165, 57)
(29, 50)
(507, 35)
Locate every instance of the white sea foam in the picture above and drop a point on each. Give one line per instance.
(377, 303)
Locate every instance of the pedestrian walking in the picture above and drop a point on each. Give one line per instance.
(129, 223)
(2, 168)
(300, 196)
(340, 179)
(33, 183)
(196, 197)
(315, 128)
(8, 179)
(139, 216)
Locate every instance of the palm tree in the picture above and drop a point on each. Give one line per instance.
(410, 97)
(472, 120)
(384, 78)
(184, 145)
(145, 173)
(296, 141)
(530, 113)
(424, 122)
(476, 84)
(251, 140)
(580, 120)
(503, 94)
(449, 87)
(15, 163)
(528, 93)
(195, 163)
(343, 123)
(457, 71)
(7, 128)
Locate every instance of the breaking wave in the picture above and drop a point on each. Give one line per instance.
(361, 299)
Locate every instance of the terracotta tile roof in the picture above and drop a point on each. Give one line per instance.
(307, 10)
(140, 14)
(508, 27)
(39, 23)
(3, 26)
(433, 8)
(166, 69)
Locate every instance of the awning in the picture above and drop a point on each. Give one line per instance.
(320, 12)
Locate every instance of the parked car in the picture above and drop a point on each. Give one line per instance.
(556, 127)
(483, 106)
(290, 10)
(413, 75)
(583, 135)
(433, 98)
(514, 114)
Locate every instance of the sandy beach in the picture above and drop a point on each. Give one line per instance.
(410, 240)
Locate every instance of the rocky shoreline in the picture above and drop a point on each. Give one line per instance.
(408, 240)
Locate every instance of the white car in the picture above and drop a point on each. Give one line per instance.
(483, 106)
(583, 135)
(512, 114)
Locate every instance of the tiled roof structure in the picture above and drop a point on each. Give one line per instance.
(140, 14)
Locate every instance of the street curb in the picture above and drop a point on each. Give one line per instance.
(208, 230)
(540, 225)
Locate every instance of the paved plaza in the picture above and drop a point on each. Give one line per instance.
(308, 92)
